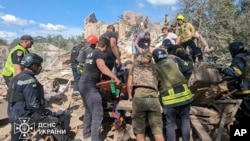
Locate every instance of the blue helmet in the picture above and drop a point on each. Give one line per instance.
(236, 47)
(159, 54)
(30, 59)
(167, 43)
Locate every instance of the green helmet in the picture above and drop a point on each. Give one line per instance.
(180, 17)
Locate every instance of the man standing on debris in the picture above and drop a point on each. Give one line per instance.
(73, 60)
(94, 66)
(239, 70)
(186, 32)
(26, 99)
(140, 44)
(174, 92)
(12, 66)
(112, 53)
(169, 35)
(143, 82)
(90, 45)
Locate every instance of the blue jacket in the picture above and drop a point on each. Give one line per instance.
(33, 93)
(239, 70)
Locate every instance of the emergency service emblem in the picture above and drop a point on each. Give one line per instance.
(24, 128)
(19, 53)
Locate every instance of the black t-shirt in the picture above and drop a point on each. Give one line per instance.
(92, 74)
(17, 56)
(109, 52)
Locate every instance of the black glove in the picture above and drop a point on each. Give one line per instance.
(46, 112)
(220, 70)
(58, 114)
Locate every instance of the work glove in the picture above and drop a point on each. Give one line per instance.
(80, 68)
(58, 114)
(46, 112)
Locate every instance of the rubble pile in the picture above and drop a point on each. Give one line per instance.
(211, 113)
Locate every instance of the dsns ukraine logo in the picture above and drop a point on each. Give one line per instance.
(24, 128)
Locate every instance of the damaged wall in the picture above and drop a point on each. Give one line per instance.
(93, 26)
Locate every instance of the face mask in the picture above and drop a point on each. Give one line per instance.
(38, 70)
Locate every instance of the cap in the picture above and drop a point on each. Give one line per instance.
(26, 37)
(111, 27)
(147, 55)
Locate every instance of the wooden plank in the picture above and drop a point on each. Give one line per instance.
(221, 127)
(195, 110)
(199, 130)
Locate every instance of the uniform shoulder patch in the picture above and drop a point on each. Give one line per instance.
(19, 53)
(34, 85)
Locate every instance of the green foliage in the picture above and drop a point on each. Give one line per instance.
(3, 42)
(56, 40)
(219, 21)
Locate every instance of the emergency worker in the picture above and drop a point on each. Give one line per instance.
(176, 50)
(12, 66)
(186, 32)
(140, 44)
(94, 67)
(26, 99)
(90, 45)
(142, 82)
(112, 53)
(74, 63)
(175, 94)
(239, 70)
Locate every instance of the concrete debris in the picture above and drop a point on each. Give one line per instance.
(212, 108)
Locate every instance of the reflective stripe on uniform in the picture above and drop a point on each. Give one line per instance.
(237, 70)
(243, 92)
(176, 98)
(25, 82)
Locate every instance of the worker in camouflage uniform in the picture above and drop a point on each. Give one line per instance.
(142, 81)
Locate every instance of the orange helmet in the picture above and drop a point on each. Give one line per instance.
(92, 39)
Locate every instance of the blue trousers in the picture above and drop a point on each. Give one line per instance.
(170, 115)
(93, 111)
(76, 75)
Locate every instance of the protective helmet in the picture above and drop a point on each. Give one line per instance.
(30, 59)
(235, 48)
(92, 39)
(159, 54)
(167, 43)
(180, 17)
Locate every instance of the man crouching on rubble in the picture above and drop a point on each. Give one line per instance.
(239, 70)
(26, 103)
(94, 67)
(143, 80)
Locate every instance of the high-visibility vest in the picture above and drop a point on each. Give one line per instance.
(8, 69)
(173, 98)
(173, 88)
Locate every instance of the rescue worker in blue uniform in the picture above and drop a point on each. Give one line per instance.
(26, 98)
(175, 94)
(176, 50)
(74, 63)
(240, 70)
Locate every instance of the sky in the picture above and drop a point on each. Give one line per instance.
(66, 17)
